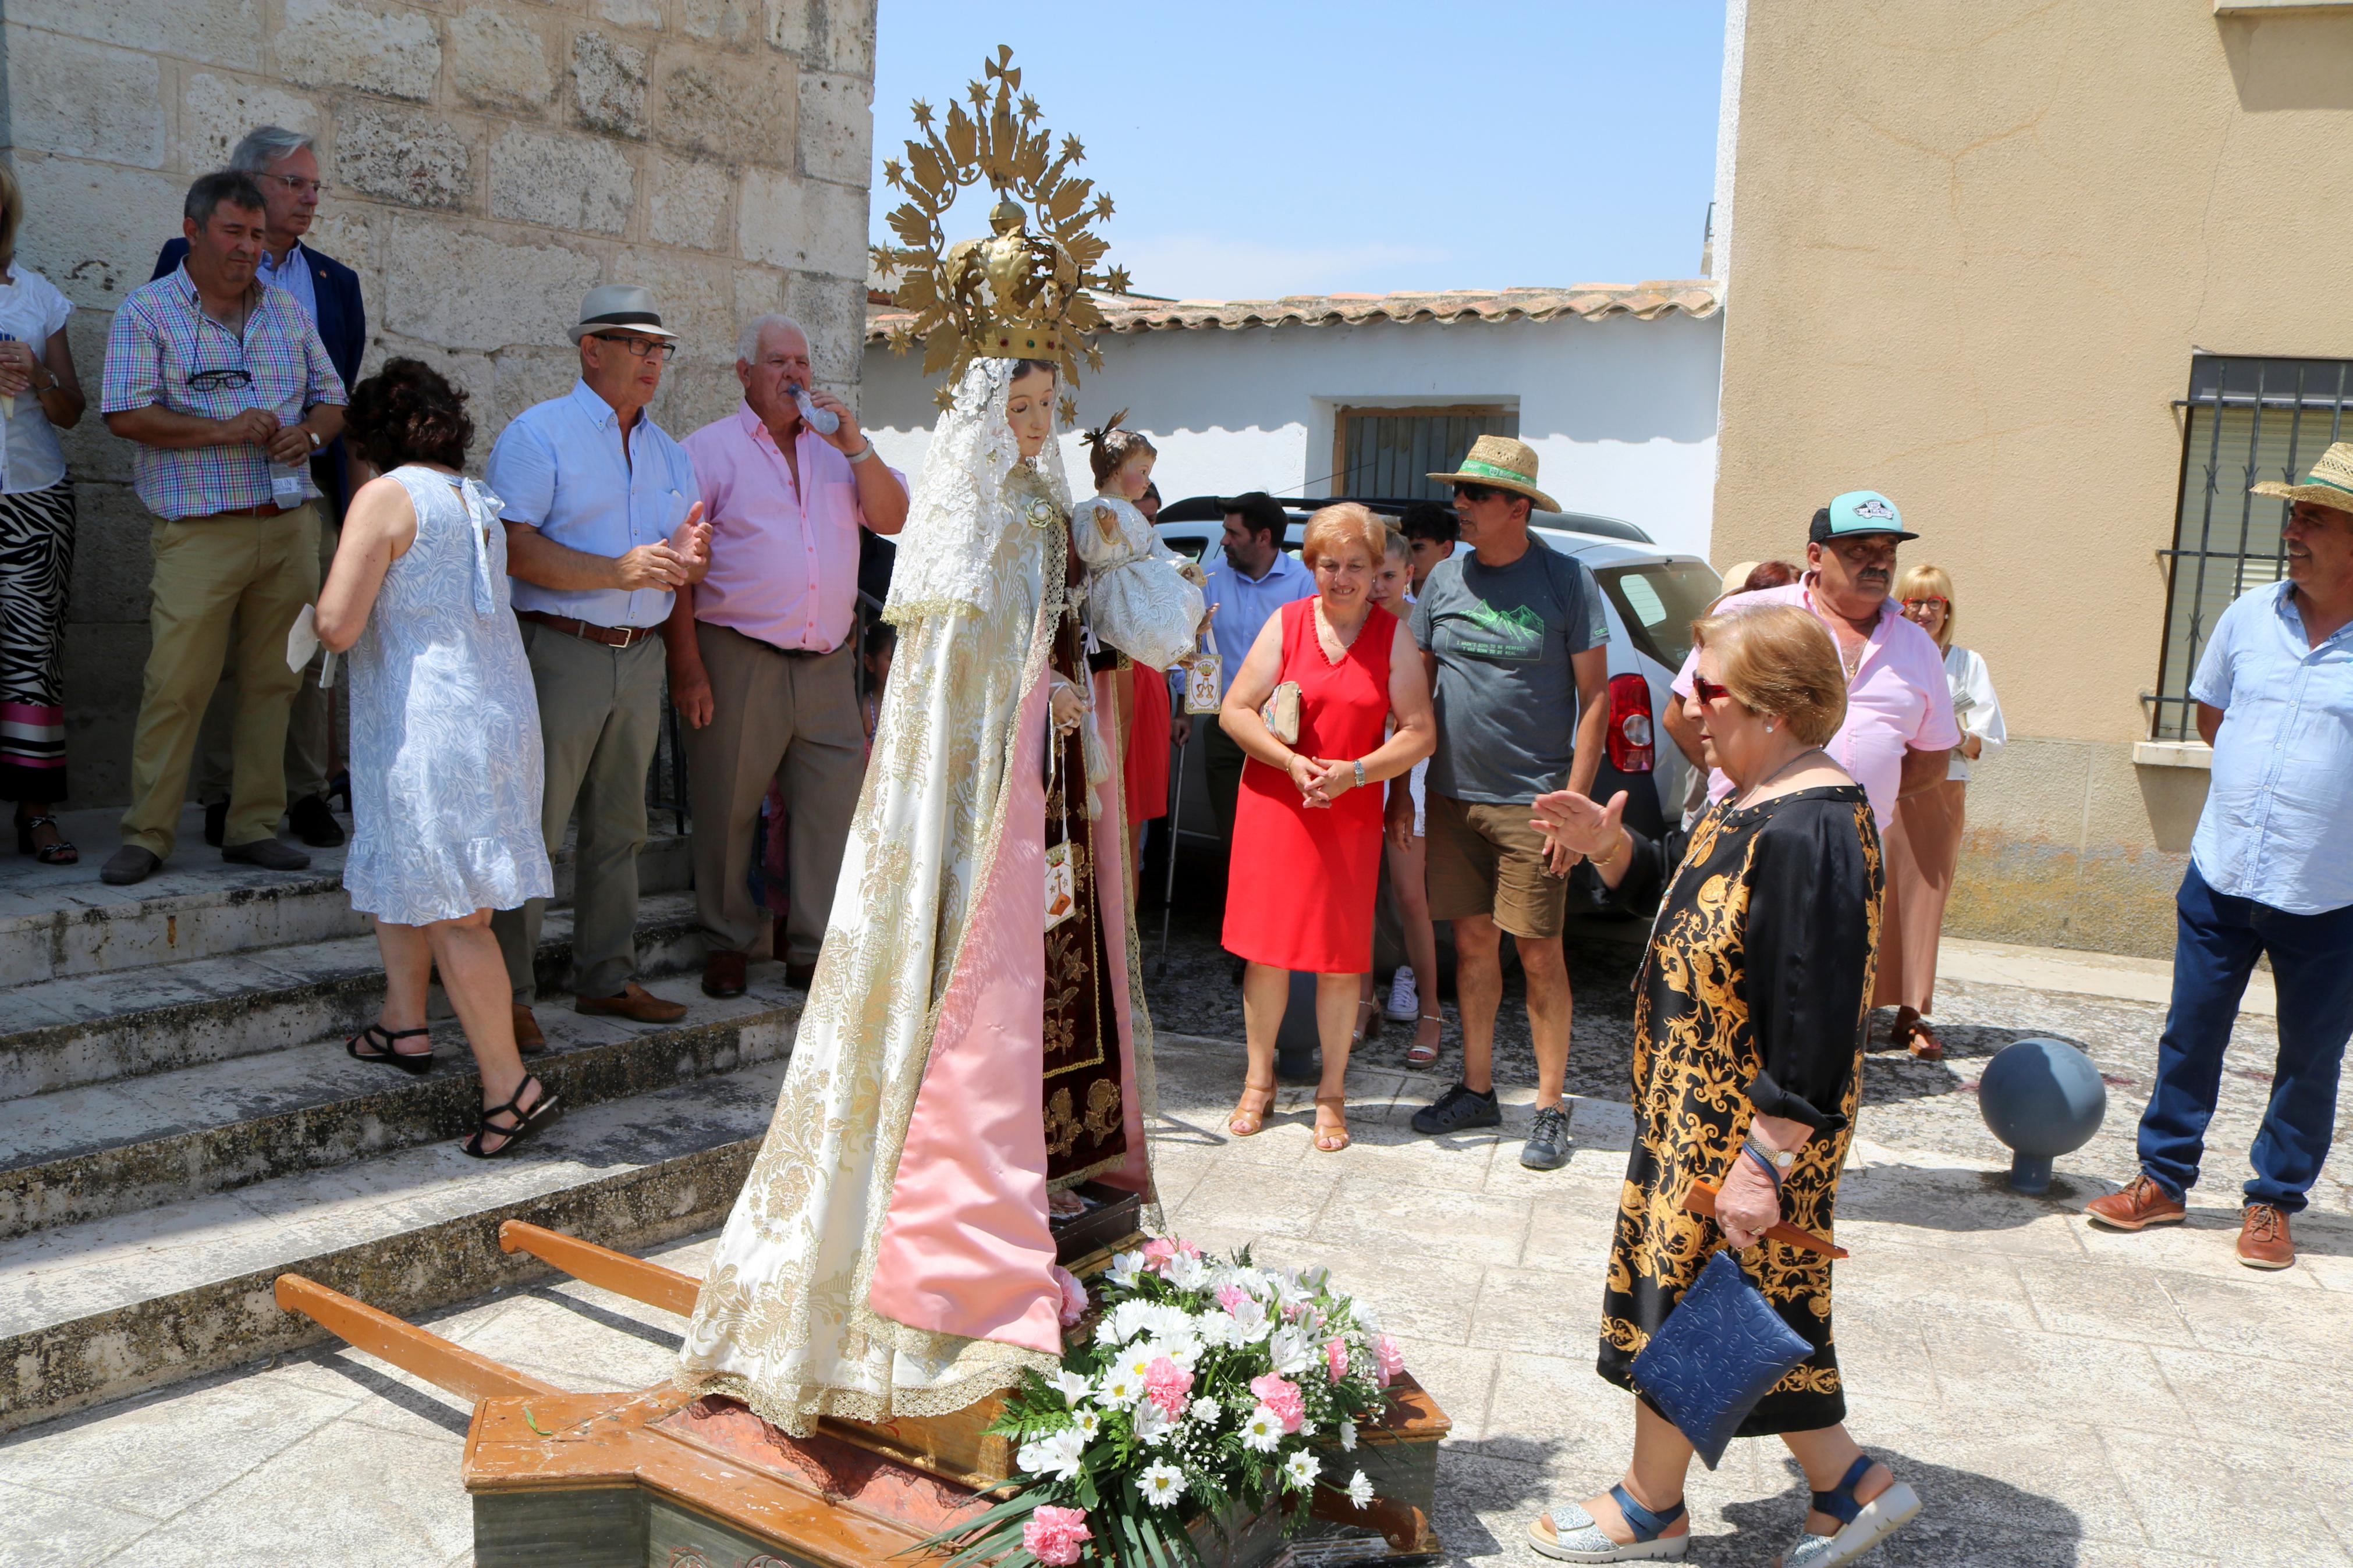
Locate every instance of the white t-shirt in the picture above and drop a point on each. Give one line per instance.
(31, 311)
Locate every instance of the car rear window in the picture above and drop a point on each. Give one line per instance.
(1659, 602)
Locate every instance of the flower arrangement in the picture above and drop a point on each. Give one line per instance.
(1203, 1384)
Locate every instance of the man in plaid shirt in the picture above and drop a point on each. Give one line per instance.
(223, 386)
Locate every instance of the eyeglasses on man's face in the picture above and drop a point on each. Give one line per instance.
(218, 380)
(1475, 494)
(660, 348)
(296, 183)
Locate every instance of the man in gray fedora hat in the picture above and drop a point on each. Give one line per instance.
(603, 521)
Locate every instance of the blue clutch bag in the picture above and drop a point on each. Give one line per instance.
(1719, 1352)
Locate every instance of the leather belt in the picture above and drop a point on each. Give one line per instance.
(587, 631)
(267, 509)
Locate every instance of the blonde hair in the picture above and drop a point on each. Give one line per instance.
(1777, 660)
(12, 214)
(1334, 526)
(1924, 581)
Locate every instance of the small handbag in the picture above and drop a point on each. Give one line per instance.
(1282, 713)
(1718, 1353)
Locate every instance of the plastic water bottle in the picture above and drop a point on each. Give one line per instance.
(286, 485)
(824, 421)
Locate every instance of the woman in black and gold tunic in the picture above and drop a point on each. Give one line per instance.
(1749, 1019)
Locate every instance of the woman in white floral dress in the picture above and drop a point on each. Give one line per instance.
(446, 758)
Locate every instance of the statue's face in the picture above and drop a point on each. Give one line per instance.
(1029, 409)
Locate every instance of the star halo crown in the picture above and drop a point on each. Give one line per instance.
(1018, 293)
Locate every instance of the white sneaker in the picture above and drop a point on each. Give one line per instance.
(1405, 1005)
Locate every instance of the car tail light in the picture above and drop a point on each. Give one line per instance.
(1630, 724)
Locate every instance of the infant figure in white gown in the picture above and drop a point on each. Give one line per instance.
(1134, 600)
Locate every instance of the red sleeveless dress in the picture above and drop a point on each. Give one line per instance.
(1299, 893)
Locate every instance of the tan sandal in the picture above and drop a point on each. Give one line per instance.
(1248, 1118)
(1324, 1135)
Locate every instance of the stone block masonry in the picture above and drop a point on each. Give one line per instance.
(486, 163)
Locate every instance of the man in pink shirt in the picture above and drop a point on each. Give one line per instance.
(1899, 709)
(761, 652)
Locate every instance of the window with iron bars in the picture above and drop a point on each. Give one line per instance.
(2244, 420)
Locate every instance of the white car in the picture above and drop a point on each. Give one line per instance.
(1652, 597)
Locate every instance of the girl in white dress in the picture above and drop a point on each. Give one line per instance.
(446, 756)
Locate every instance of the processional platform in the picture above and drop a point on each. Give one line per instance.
(660, 1478)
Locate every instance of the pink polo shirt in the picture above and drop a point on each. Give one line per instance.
(1897, 697)
(783, 561)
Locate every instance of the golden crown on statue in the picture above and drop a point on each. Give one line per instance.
(1018, 294)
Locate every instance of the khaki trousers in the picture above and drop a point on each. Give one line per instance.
(599, 721)
(213, 573)
(310, 749)
(793, 720)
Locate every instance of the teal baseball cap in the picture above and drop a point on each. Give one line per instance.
(1856, 514)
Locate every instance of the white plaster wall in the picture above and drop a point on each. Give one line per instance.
(1622, 413)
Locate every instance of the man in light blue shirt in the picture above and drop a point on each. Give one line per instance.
(1255, 578)
(2271, 872)
(604, 520)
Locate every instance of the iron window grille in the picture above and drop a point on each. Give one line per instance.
(1391, 452)
(2244, 420)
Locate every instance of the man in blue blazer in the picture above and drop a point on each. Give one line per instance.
(283, 163)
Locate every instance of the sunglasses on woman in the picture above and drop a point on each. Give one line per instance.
(1707, 691)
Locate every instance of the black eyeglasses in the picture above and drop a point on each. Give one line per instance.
(1474, 494)
(641, 347)
(216, 380)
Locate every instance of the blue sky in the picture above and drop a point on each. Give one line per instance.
(1280, 147)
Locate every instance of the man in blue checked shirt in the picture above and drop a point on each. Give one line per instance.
(2271, 872)
(604, 519)
(223, 386)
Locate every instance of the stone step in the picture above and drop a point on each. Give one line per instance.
(98, 1310)
(58, 921)
(115, 1148)
(88, 1029)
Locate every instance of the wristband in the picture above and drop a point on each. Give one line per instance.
(863, 452)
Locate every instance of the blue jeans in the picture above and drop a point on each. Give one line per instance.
(2217, 940)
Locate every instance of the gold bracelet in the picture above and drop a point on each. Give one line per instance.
(1625, 841)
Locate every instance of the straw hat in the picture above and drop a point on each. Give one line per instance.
(1504, 464)
(2330, 483)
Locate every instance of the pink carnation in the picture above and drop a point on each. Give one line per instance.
(1282, 1396)
(1231, 1297)
(1157, 1252)
(1074, 1296)
(1167, 1385)
(1336, 1358)
(1392, 1359)
(1053, 1534)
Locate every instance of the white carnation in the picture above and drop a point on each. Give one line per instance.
(1207, 1411)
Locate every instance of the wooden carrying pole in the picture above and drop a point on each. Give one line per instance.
(450, 1368)
(590, 1264)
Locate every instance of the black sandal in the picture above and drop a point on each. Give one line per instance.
(543, 1109)
(416, 1064)
(59, 851)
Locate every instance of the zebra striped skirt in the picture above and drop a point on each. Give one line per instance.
(36, 541)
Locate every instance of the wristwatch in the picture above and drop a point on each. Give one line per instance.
(315, 442)
(1778, 1160)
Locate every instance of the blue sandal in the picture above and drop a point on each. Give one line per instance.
(1576, 1538)
(1862, 1525)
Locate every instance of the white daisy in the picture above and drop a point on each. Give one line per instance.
(1360, 1491)
(1057, 1454)
(1131, 1318)
(1216, 1330)
(1262, 1430)
(1161, 1484)
(1105, 1334)
(1347, 1436)
(1300, 1469)
(1137, 1359)
(1120, 1388)
(1086, 1422)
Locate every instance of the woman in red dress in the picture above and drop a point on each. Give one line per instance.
(1308, 827)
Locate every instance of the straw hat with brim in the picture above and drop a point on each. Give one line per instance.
(620, 307)
(1504, 464)
(2330, 483)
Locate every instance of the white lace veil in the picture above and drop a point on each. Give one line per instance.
(960, 513)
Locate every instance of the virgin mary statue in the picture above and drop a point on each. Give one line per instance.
(975, 1038)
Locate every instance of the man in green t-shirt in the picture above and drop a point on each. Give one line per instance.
(1518, 651)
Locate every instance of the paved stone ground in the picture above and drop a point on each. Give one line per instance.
(2061, 1398)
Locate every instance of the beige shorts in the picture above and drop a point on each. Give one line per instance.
(1489, 860)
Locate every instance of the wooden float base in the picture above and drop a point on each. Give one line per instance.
(660, 1478)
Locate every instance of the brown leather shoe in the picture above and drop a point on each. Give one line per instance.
(636, 1004)
(2142, 1204)
(800, 976)
(723, 974)
(2264, 1240)
(528, 1039)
